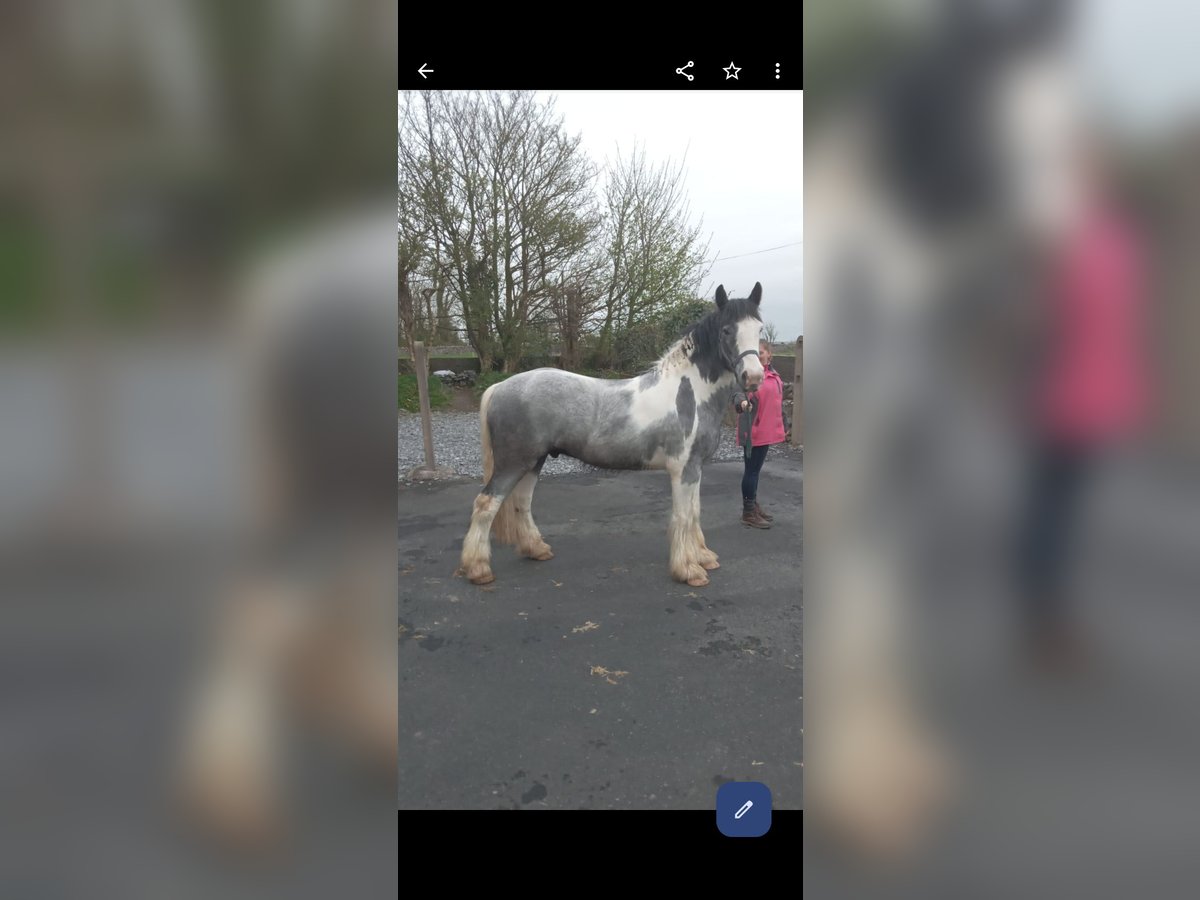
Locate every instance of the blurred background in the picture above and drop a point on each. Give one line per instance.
(197, 355)
(1003, 488)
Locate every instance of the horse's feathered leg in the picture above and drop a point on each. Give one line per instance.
(527, 537)
(684, 531)
(707, 557)
(477, 546)
(704, 556)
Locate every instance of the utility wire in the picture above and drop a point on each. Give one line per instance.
(756, 252)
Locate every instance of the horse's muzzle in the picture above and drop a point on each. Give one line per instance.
(750, 378)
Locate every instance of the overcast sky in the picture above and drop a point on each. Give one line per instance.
(1139, 61)
(743, 177)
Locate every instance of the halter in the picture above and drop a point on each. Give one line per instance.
(737, 363)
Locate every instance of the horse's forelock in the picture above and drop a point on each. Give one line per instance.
(742, 308)
(708, 329)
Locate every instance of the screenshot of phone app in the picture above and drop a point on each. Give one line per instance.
(600, 436)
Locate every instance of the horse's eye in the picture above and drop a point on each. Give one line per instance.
(728, 329)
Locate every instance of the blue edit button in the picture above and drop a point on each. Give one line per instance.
(743, 809)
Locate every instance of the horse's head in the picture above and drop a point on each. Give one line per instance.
(740, 330)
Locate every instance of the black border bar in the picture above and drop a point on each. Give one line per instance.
(520, 832)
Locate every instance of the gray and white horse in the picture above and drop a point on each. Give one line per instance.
(667, 418)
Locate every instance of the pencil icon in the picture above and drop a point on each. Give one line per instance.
(745, 808)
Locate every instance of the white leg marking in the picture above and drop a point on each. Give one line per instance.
(684, 531)
(528, 538)
(477, 548)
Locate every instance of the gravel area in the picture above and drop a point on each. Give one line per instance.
(456, 446)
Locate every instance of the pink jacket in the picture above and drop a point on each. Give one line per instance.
(768, 426)
(1096, 384)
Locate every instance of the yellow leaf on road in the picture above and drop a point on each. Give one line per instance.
(607, 674)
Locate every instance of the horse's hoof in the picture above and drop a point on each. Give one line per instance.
(481, 576)
(697, 578)
(541, 554)
(231, 812)
(710, 564)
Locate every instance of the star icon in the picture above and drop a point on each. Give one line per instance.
(731, 71)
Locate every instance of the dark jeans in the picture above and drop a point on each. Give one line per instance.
(754, 464)
(1059, 475)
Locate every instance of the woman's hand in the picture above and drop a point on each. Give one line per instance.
(745, 406)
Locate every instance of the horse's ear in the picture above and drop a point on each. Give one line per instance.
(722, 297)
(756, 294)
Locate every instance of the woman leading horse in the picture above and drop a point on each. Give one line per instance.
(761, 423)
(667, 418)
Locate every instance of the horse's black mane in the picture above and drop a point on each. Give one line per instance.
(706, 333)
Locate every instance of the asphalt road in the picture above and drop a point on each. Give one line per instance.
(593, 680)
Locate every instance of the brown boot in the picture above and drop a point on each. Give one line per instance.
(751, 517)
(762, 515)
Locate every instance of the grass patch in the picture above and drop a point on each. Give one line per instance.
(409, 399)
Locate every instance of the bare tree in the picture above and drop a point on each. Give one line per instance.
(656, 255)
(413, 236)
(501, 227)
(507, 197)
(407, 256)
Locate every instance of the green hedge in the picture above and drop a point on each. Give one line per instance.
(487, 379)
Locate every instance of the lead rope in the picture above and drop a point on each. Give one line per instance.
(745, 418)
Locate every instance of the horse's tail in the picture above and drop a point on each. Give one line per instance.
(504, 525)
(484, 435)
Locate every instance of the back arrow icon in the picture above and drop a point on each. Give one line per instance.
(422, 71)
